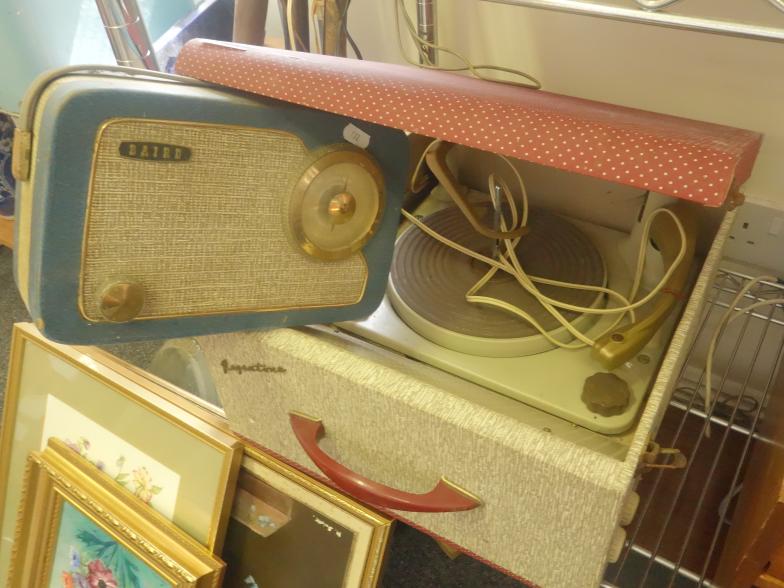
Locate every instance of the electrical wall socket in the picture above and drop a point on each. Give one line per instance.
(757, 238)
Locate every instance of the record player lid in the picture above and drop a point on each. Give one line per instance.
(675, 156)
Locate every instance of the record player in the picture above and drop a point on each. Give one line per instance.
(427, 315)
(401, 409)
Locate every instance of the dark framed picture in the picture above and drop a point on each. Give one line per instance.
(291, 531)
(78, 528)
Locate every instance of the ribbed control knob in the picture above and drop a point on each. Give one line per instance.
(605, 394)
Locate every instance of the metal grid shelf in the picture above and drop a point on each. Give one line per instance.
(677, 535)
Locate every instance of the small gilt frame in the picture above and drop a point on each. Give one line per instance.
(58, 479)
(122, 404)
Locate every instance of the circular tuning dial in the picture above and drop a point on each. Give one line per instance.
(337, 202)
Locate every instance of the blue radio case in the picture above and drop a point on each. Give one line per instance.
(55, 156)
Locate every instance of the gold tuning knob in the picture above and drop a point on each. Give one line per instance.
(342, 207)
(122, 301)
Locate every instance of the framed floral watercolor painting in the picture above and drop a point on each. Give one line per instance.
(288, 529)
(124, 424)
(78, 528)
(86, 555)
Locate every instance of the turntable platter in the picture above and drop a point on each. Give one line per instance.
(429, 280)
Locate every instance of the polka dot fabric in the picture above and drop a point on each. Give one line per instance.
(674, 156)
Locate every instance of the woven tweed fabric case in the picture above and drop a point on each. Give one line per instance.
(200, 222)
(552, 494)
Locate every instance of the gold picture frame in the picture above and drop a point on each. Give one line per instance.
(77, 526)
(210, 413)
(112, 409)
(288, 529)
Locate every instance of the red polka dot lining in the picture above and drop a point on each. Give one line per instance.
(674, 156)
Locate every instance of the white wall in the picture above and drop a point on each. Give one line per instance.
(732, 81)
(36, 35)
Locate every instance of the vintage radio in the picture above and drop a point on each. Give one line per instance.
(152, 207)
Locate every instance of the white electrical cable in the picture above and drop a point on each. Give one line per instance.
(728, 317)
(637, 275)
(316, 29)
(509, 263)
(528, 282)
(524, 221)
(290, 24)
(519, 273)
(475, 70)
(510, 247)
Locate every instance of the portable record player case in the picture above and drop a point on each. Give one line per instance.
(519, 488)
(553, 496)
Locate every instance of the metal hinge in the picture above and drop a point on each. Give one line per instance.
(22, 154)
(736, 198)
(663, 458)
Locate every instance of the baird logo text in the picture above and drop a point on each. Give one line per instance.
(154, 151)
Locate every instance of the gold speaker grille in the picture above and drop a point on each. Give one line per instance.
(206, 235)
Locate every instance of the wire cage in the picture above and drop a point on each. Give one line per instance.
(678, 533)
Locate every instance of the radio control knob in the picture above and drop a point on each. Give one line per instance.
(605, 394)
(342, 207)
(122, 301)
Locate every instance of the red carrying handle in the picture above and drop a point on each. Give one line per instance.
(445, 497)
